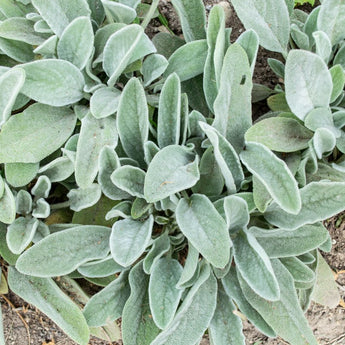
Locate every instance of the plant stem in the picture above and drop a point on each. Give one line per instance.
(185, 195)
(150, 14)
(60, 205)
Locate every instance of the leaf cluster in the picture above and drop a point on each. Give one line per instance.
(134, 164)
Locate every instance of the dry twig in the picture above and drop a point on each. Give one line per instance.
(21, 318)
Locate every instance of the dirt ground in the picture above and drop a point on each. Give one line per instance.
(22, 320)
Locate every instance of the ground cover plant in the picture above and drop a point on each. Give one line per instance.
(134, 164)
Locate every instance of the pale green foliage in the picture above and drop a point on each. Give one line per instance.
(135, 165)
(46, 295)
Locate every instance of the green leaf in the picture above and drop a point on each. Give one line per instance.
(299, 271)
(62, 12)
(226, 157)
(129, 179)
(101, 37)
(308, 83)
(11, 83)
(53, 82)
(211, 181)
(5, 252)
(95, 215)
(47, 296)
(284, 316)
(236, 213)
(326, 290)
(338, 79)
(277, 67)
(139, 208)
(150, 150)
(23, 202)
(42, 209)
(249, 41)
(76, 42)
(233, 289)
(307, 258)
(321, 118)
(269, 19)
(194, 128)
(42, 187)
(129, 239)
(119, 12)
(274, 174)
(20, 29)
(83, 198)
(300, 38)
(278, 102)
(324, 141)
(310, 25)
(215, 54)
(108, 162)
(193, 18)
(97, 11)
(340, 57)
(320, 200)
(255, 266)
(133, 120)
(94, 135)
(20, 233)
(164, 296)
(225, 327)
(188, 61)
(205, 229)
(7, 206)
(48, 47)
(21, 143)
(122, 209)
(107, 305)
(2, 187)
(190, 267)
(323, 45)
(160, 246)
(153, 67)
(195, 92)
(104, 102)
(262, 197)
(20, 174)
(184, 118)
(138, 327)
(119, 50)
(77, 245)
(101, 268)
(280, 134)
(167, 43)
(10, 9)
(58, 170)
(169, 112)
(172, 169)
(279, 243)
(232, 107)
(331, 18)
(16, 50)
(193, 316)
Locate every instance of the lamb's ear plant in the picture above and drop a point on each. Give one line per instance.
(136, 167)
(311, 100)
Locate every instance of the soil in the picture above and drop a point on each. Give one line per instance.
(21, 319)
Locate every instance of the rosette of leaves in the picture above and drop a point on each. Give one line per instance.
(129, 164)
(307, 112)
